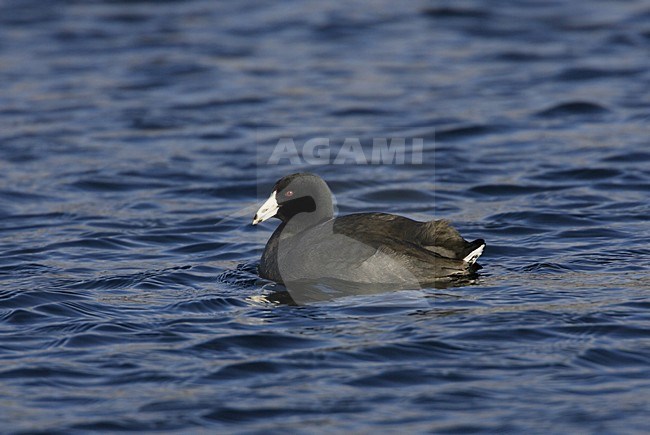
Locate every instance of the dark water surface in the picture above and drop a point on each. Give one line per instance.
(133, 139)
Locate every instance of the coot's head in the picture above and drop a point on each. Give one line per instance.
(301, 194)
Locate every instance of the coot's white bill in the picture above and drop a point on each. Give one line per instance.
(267, 210)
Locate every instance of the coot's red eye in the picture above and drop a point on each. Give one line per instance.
(288, 193)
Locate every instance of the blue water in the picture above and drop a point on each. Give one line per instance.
(134, 144)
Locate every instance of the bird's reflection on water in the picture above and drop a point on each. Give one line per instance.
(308, 292)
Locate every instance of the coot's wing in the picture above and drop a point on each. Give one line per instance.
(400, 243)
(437, 236)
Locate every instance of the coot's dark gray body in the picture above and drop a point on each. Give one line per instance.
(373, 248)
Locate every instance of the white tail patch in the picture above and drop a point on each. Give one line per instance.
(473, 256)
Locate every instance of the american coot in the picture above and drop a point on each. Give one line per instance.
(365, 248)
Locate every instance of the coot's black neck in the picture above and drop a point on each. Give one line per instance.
(306, 212)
